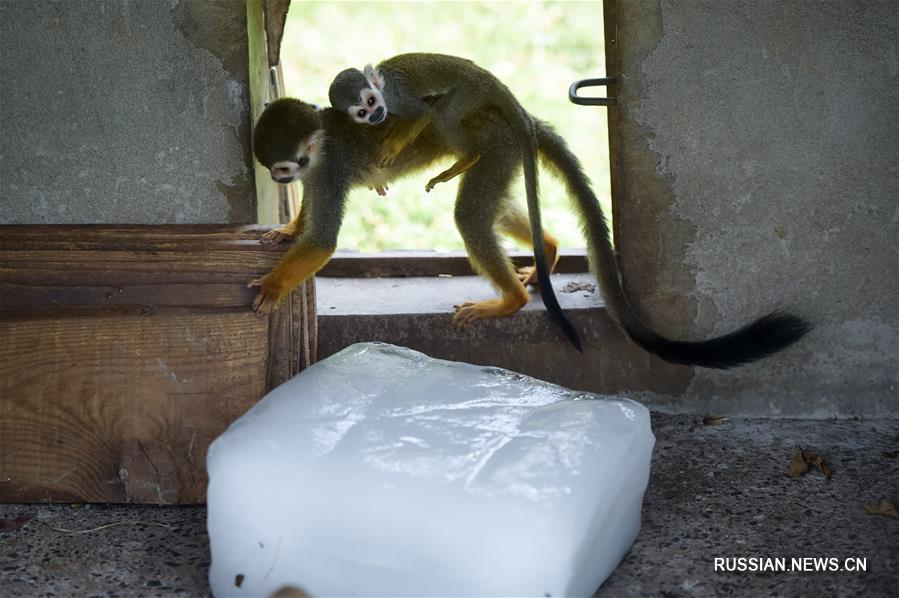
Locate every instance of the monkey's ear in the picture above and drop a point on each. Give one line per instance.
(314, 140)
(374, 77)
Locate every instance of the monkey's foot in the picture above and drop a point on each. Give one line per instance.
(278, 235)
(380, 190)
(269, 295)
(471, 311)
(453, 171)
(528, 274)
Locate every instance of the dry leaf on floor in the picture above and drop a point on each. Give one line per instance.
(819, 461)
(800, 463)
(573, 287)
(885, 508)
(714, 420)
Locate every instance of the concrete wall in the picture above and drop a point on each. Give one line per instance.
(759, 163)
(124, 112)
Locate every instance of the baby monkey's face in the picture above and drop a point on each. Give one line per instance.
(370, 109)
(360, 94)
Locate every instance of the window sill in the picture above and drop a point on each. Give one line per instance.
(336, 296)
(408, 263)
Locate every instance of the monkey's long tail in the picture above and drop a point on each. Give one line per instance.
(523, 126)
(769, 334)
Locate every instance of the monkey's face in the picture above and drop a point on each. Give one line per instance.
(304, 160)
(370, 109)
(288, 138)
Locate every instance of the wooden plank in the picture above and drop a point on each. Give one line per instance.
(145, 265)
(210, 248)
(275, 18)
(125, 351)
(148, 236)
(268, 209)
(281, 346)
(309, 353)
(122, 409)
(428, 263)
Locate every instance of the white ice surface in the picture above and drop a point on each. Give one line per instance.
(382, 472)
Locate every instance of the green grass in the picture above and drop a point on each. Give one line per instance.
(536, 48)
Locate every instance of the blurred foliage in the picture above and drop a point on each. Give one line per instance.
(536, 48)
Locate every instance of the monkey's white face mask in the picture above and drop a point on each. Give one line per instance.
(307, 156)
(371, 109)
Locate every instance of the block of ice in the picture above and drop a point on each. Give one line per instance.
(382, 472)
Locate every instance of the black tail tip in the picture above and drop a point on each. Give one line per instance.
(781, 328)
(558, 316)
(762, 338)
(551, 303)
(574, 339)
(570, 333)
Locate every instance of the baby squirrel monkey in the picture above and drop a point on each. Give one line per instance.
(343, 158)
(397, 87)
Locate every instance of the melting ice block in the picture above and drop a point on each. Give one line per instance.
(382, 472)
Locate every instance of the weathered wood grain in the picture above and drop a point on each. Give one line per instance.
(121, 409)
(124, 351)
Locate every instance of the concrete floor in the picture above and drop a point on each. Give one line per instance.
(715, 491)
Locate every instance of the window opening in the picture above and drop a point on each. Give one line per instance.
(536, 48)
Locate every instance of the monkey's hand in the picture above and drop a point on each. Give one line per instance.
(270, 295)
(388, 154)
(279, 235)
(301, 261)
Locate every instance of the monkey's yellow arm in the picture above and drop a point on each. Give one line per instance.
(404, 132)
(301, 261)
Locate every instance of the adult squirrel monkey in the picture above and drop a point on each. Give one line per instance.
(397, 87)
(344, 157)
